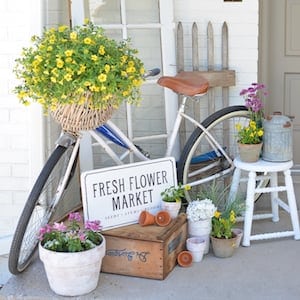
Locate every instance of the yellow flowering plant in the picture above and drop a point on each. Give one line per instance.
(251, 134)
(70, 65)
(222, 224)
(224, 218)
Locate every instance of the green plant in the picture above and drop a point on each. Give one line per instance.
(60, 237)
(78, 66)
(174, 193)
(251, 134)
(222, 226)
(224, 220)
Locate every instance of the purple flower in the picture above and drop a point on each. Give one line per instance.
(93, 225)
(75, 217)
(60, 227)
(252, 99)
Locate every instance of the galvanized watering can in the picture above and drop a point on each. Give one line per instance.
(278, 138)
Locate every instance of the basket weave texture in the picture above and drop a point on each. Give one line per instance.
(74, 118)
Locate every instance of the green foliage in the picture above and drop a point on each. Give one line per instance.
(174, 194)
(78, 66)
(60, 237)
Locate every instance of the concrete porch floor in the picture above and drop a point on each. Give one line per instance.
(267, 269)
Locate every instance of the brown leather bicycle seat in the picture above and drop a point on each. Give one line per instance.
(186, 83)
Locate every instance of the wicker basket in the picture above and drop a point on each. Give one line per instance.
(74, 117)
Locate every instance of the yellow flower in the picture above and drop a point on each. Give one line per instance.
(94, 57)
(187, 187)
(73, 35)
(68, 77)
(107, 68)
(260, 132)
(69, 53)
(62, 28)
(232, 217)
(102, 77)
(217, 214)
(59, 63)
(101, 50)
(87, 41)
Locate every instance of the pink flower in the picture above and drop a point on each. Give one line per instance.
(43, 230)
(60, 227)
(75, 217)
(93, 225)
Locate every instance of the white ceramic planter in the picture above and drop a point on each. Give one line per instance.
(201, 229)
(172, 208)
(73, 274)
(196, 246)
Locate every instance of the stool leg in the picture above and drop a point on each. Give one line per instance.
(292, 203)
(249, 208)
(274, 197)
(234, 184)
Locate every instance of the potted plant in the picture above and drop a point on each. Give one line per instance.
(223, 237)
(72, 256)
(250, 136)
(199, 215)
(78, 72)
(172, 198)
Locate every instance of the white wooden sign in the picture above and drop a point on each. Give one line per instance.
(117, 195)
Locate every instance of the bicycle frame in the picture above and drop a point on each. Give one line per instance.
(109, 133)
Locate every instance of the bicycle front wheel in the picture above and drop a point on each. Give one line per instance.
(40, 206)
(200, 163)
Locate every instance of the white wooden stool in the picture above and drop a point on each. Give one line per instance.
(270, 169)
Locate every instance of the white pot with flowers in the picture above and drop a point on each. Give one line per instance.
(172, 199)
(72, 256)
(199, 215)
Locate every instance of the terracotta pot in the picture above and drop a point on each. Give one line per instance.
(163, 218)
(146, 218)
(223, 247)
(250, 152)
(185, 258)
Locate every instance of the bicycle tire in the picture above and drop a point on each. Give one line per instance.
(40, 206)
(197, 146)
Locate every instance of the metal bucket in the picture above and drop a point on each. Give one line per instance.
(278, 138)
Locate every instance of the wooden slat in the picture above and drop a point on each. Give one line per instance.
(222, 78)
(180, 50)
(210, 65)
(225, 90)
(180, 67)
(195, 53)
(195, 61)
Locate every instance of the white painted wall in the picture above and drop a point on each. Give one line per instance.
(21, 143)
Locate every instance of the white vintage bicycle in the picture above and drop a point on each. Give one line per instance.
(207, 155)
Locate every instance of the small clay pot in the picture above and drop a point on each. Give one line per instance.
(185, 258)
(146, 218)
(163, 218)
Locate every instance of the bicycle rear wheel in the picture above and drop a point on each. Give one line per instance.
(40, 206)
(200, 164)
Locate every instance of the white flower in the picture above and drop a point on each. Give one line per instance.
(200, 210)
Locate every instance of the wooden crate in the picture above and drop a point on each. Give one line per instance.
(149, 251)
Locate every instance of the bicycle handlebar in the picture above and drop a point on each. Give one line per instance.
(152, 72)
